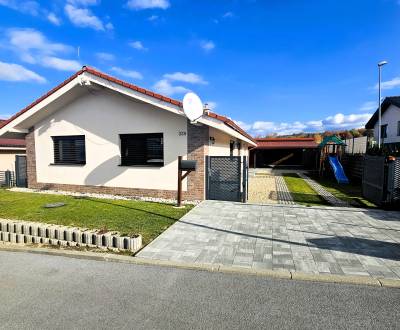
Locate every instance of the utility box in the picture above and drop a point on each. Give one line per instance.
(187, 165)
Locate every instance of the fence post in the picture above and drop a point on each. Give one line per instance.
(8, 178)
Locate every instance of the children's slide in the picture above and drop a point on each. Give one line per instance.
(338, 170)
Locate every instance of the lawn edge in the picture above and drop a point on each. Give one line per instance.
(277, 274)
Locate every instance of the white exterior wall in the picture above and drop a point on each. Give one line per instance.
(390, 117)
(7, 159)
(221, 147)
(101, 117)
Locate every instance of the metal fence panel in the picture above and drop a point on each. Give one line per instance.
(224, 178)
(394, 181)
(374, 179)
(7, 179)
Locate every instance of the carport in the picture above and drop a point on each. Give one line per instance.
(272, 152)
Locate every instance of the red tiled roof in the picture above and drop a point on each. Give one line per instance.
(286, 143)
(9, 143)
(226, 120)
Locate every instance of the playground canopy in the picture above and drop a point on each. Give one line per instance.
(332, 140)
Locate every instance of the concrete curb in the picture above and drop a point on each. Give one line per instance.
(281, 274)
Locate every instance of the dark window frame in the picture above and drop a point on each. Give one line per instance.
(384, 131)
(398, 128)
(69, 150)
(142, 149)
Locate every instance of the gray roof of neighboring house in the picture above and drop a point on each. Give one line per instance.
(387, 102)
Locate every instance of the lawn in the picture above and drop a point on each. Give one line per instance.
(128, 217)
(350, 193)
(301, 192)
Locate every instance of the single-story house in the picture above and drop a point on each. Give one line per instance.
(9, 148)
(390, 129)
(96, 133)
(284, 151)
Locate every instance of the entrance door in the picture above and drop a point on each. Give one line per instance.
(21, 179)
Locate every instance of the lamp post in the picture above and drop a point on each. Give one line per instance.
(380, 65)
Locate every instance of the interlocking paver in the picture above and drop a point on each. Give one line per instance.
(343, 241)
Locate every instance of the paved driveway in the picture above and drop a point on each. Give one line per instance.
(305, 239)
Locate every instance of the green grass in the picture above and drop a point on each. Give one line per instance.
(128, 217)
(350, 193)
(301, 192)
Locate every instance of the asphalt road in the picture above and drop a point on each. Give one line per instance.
(48, 292)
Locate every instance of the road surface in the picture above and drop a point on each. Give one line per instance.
(49, 292)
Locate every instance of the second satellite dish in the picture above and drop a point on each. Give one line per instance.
(192, 106)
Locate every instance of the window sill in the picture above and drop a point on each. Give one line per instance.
(67, 164)
(146, 166)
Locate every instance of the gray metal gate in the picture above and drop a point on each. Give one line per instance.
(374, 183)
(394, 181)
(224, 178)
(21, 179)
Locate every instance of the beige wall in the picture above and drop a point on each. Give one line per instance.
(7, 159)
(221, 147)
(101, 117)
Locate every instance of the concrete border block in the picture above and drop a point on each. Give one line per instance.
(13, 237)
(389, 283)
(331, 278)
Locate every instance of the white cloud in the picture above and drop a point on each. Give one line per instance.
(368, 106)
(164, 86)
(16, 72)
(335, 122)
(153, 18)
(389, 84)
(207, 45)
(61, 64)
(51, 17)
(84, 2)
(26, 7)
(189, 77)
(34, 48)
(127, 73)
(137, 45)
(105, 56)
(148, 4)
(83, 17)
(228, 14)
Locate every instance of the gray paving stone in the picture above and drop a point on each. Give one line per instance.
(315, 240)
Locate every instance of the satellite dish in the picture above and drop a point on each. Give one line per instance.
(192, 106)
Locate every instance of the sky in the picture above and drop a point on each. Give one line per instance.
(275, 67)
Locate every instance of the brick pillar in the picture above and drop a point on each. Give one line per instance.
(197, 141)
(31, 158)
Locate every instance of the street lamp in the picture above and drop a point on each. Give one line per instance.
(380, 65)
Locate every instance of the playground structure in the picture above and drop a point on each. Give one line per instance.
(331, 149)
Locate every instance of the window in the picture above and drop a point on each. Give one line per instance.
(384, 131)
(398, 128)
(142, 149)
(69, 150)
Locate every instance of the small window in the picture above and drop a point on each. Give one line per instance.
(69, 150)
(384, 131)
(398, 128)
(142, 149)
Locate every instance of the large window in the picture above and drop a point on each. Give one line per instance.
(69, 150)
(142, 149)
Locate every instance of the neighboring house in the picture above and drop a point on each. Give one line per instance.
(284, 151)
(9, 148)
(390, 130)
(96, 133)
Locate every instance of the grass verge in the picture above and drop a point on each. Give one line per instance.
(301, 192)
(128, 217)
(349, 193)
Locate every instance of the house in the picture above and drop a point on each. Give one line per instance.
(9, 148)
(284, 151)
(390, 129)
(96, 133)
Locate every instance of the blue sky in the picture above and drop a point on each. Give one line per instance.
(273, 66)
